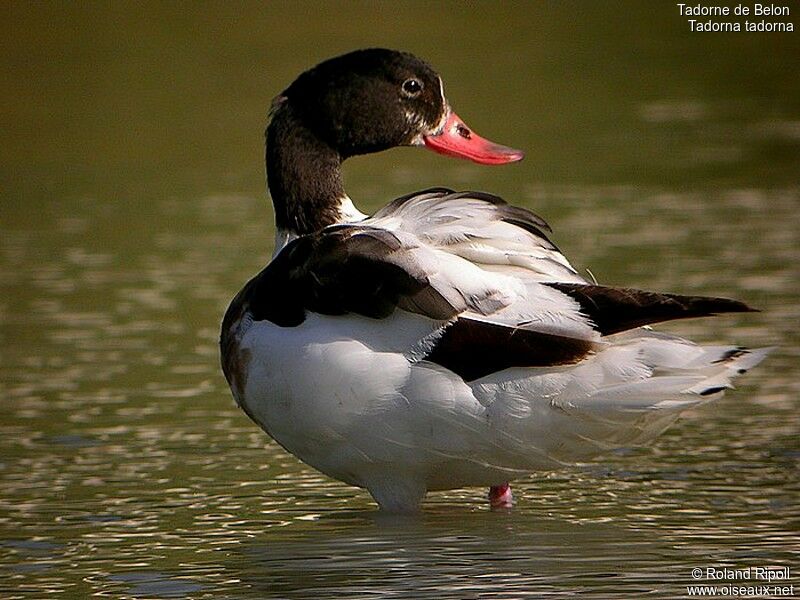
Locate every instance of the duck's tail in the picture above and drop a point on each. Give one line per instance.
(648, 379)
(625, 395)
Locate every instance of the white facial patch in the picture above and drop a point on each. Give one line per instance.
(416, 122)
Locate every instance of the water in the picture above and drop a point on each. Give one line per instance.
(133, 209)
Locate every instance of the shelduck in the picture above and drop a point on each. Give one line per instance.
(444, 341)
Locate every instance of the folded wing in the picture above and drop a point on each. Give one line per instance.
(502, 293)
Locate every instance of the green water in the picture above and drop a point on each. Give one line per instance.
(133, 209)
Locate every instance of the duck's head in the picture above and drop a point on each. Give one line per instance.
(371, 100)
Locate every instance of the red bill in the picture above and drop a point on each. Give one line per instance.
(456, 139)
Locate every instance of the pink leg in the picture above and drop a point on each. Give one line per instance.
(500, 496)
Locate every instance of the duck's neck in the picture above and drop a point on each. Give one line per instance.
(304, 175)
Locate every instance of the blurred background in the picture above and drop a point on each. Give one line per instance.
(133, 208)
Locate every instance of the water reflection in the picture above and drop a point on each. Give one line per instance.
(620, 533)
(432, 558)
(127, 470)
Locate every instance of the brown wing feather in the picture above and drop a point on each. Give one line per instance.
(618, 309)
(474, 349)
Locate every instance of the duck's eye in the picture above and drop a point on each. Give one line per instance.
(412, 87)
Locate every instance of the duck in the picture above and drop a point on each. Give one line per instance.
(444, 341)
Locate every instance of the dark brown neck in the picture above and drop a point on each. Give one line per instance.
(304, 175)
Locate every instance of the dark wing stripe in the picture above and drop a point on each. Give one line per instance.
(531, 220)
(618, 309)
(484, 196)
(398, 202)
(534, 229)
(474, 349)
